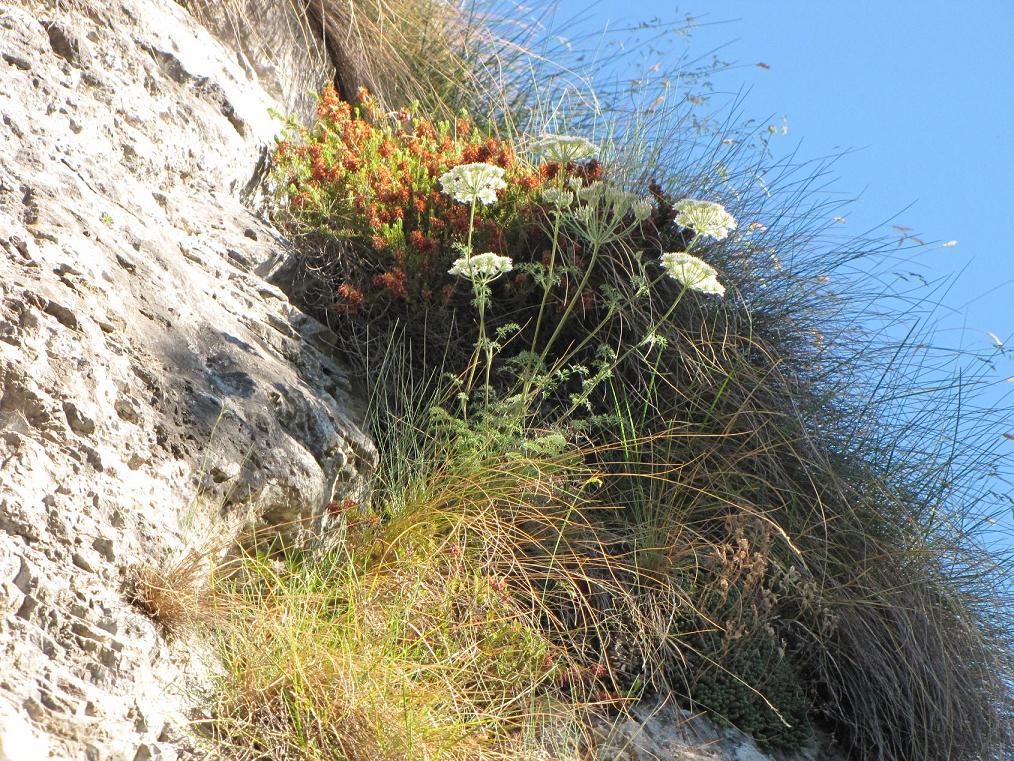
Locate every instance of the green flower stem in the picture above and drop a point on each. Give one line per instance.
(481, 289)
(547, 284)
(471, 227)
(621, 358)
(549, 275)
(480, 297)
(489, 368)
(596, 248)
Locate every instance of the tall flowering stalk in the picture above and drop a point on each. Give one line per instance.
(608, 214)
(473, 184)
(604, 217)
(560, 150)
(481, 270)
(705, 218)
(599, 213)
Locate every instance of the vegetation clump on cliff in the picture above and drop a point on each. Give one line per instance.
(622, 390)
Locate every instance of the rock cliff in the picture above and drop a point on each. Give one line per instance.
(157, 390)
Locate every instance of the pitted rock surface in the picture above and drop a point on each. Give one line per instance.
(663, 732)
(157, 390)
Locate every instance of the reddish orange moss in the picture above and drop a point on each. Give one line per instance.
(360, 174)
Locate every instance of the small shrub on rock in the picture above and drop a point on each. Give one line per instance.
(370, 181)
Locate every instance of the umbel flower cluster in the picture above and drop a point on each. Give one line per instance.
(705, 218)
(470, 183)
(692, 272)
(482, 267)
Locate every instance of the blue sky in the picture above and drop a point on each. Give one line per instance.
(922, 91)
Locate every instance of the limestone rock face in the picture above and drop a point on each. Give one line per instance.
(663, 732)
(157, 390)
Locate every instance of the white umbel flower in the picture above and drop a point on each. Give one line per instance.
(469, 183)
(564, 149)
(557, 197)
(482, 267)
(705, 218)
(692, 272)
(605, 195)
(642, 209)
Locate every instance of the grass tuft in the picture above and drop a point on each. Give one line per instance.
(171, 594)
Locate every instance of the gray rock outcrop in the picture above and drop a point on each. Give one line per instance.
(663, 732)
(157, 391)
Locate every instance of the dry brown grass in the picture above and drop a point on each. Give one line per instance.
(401, 50)
(418, 637)
(173, 594)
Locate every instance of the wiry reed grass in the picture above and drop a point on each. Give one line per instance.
(868, 451)
(785, 505)
(417, 638)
